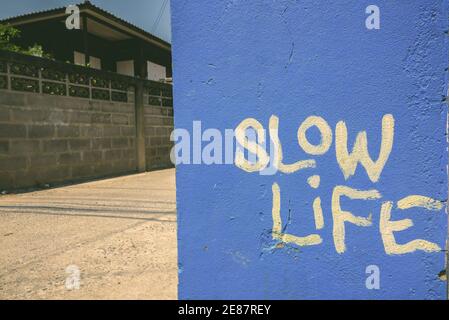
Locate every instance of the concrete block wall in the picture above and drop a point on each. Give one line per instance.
(158, 127)
(48, 139)
(63, 123)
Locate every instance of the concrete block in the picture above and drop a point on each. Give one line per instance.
(120, 119)
(53, 174)
(59, 117)
(91, 131)
(22, 115)
(109, 107)
(155, 141)
(26, 178)
(168, 121)
(43, 160)
(13, 163)
(12, 98)
(12, 130)
(119, 142)
(93, 105)
(41, 131)
(71, 158)
(154, 121)
(79, 144)
(68, 131)
(154, 111)
(150, 131)
(4, 147)
(122, 166)
(101, 143)
(81, 171)
(132, 142)
(111, 131)
(92, 156)
(43, 101)
(55, 146)
(128, 131)
(7, 180)
(112, 155)
(101, 118)
(80, 117)
(103, 168)
(26, 147)
(4, 114)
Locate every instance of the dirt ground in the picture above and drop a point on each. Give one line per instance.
(107, 239)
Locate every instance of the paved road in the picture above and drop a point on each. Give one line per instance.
(119, 233)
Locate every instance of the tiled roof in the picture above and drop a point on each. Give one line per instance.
(88, 5)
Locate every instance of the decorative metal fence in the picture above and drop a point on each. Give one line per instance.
(36, 75)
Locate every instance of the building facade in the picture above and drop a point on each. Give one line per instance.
(103, 41)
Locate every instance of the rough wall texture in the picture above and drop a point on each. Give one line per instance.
(46, 139)
(242, 234)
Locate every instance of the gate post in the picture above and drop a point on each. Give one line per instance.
(140, 127)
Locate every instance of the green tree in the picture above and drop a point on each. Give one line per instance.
(8, 34)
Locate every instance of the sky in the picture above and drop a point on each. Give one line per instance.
(142, 13)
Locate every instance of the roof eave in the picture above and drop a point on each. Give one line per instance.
(95, 11)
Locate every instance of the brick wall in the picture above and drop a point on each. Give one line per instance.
(51, 139)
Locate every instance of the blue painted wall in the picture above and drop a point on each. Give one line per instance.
(251, 59)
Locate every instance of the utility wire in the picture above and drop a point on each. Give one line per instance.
(158, 19)
(161, 14)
